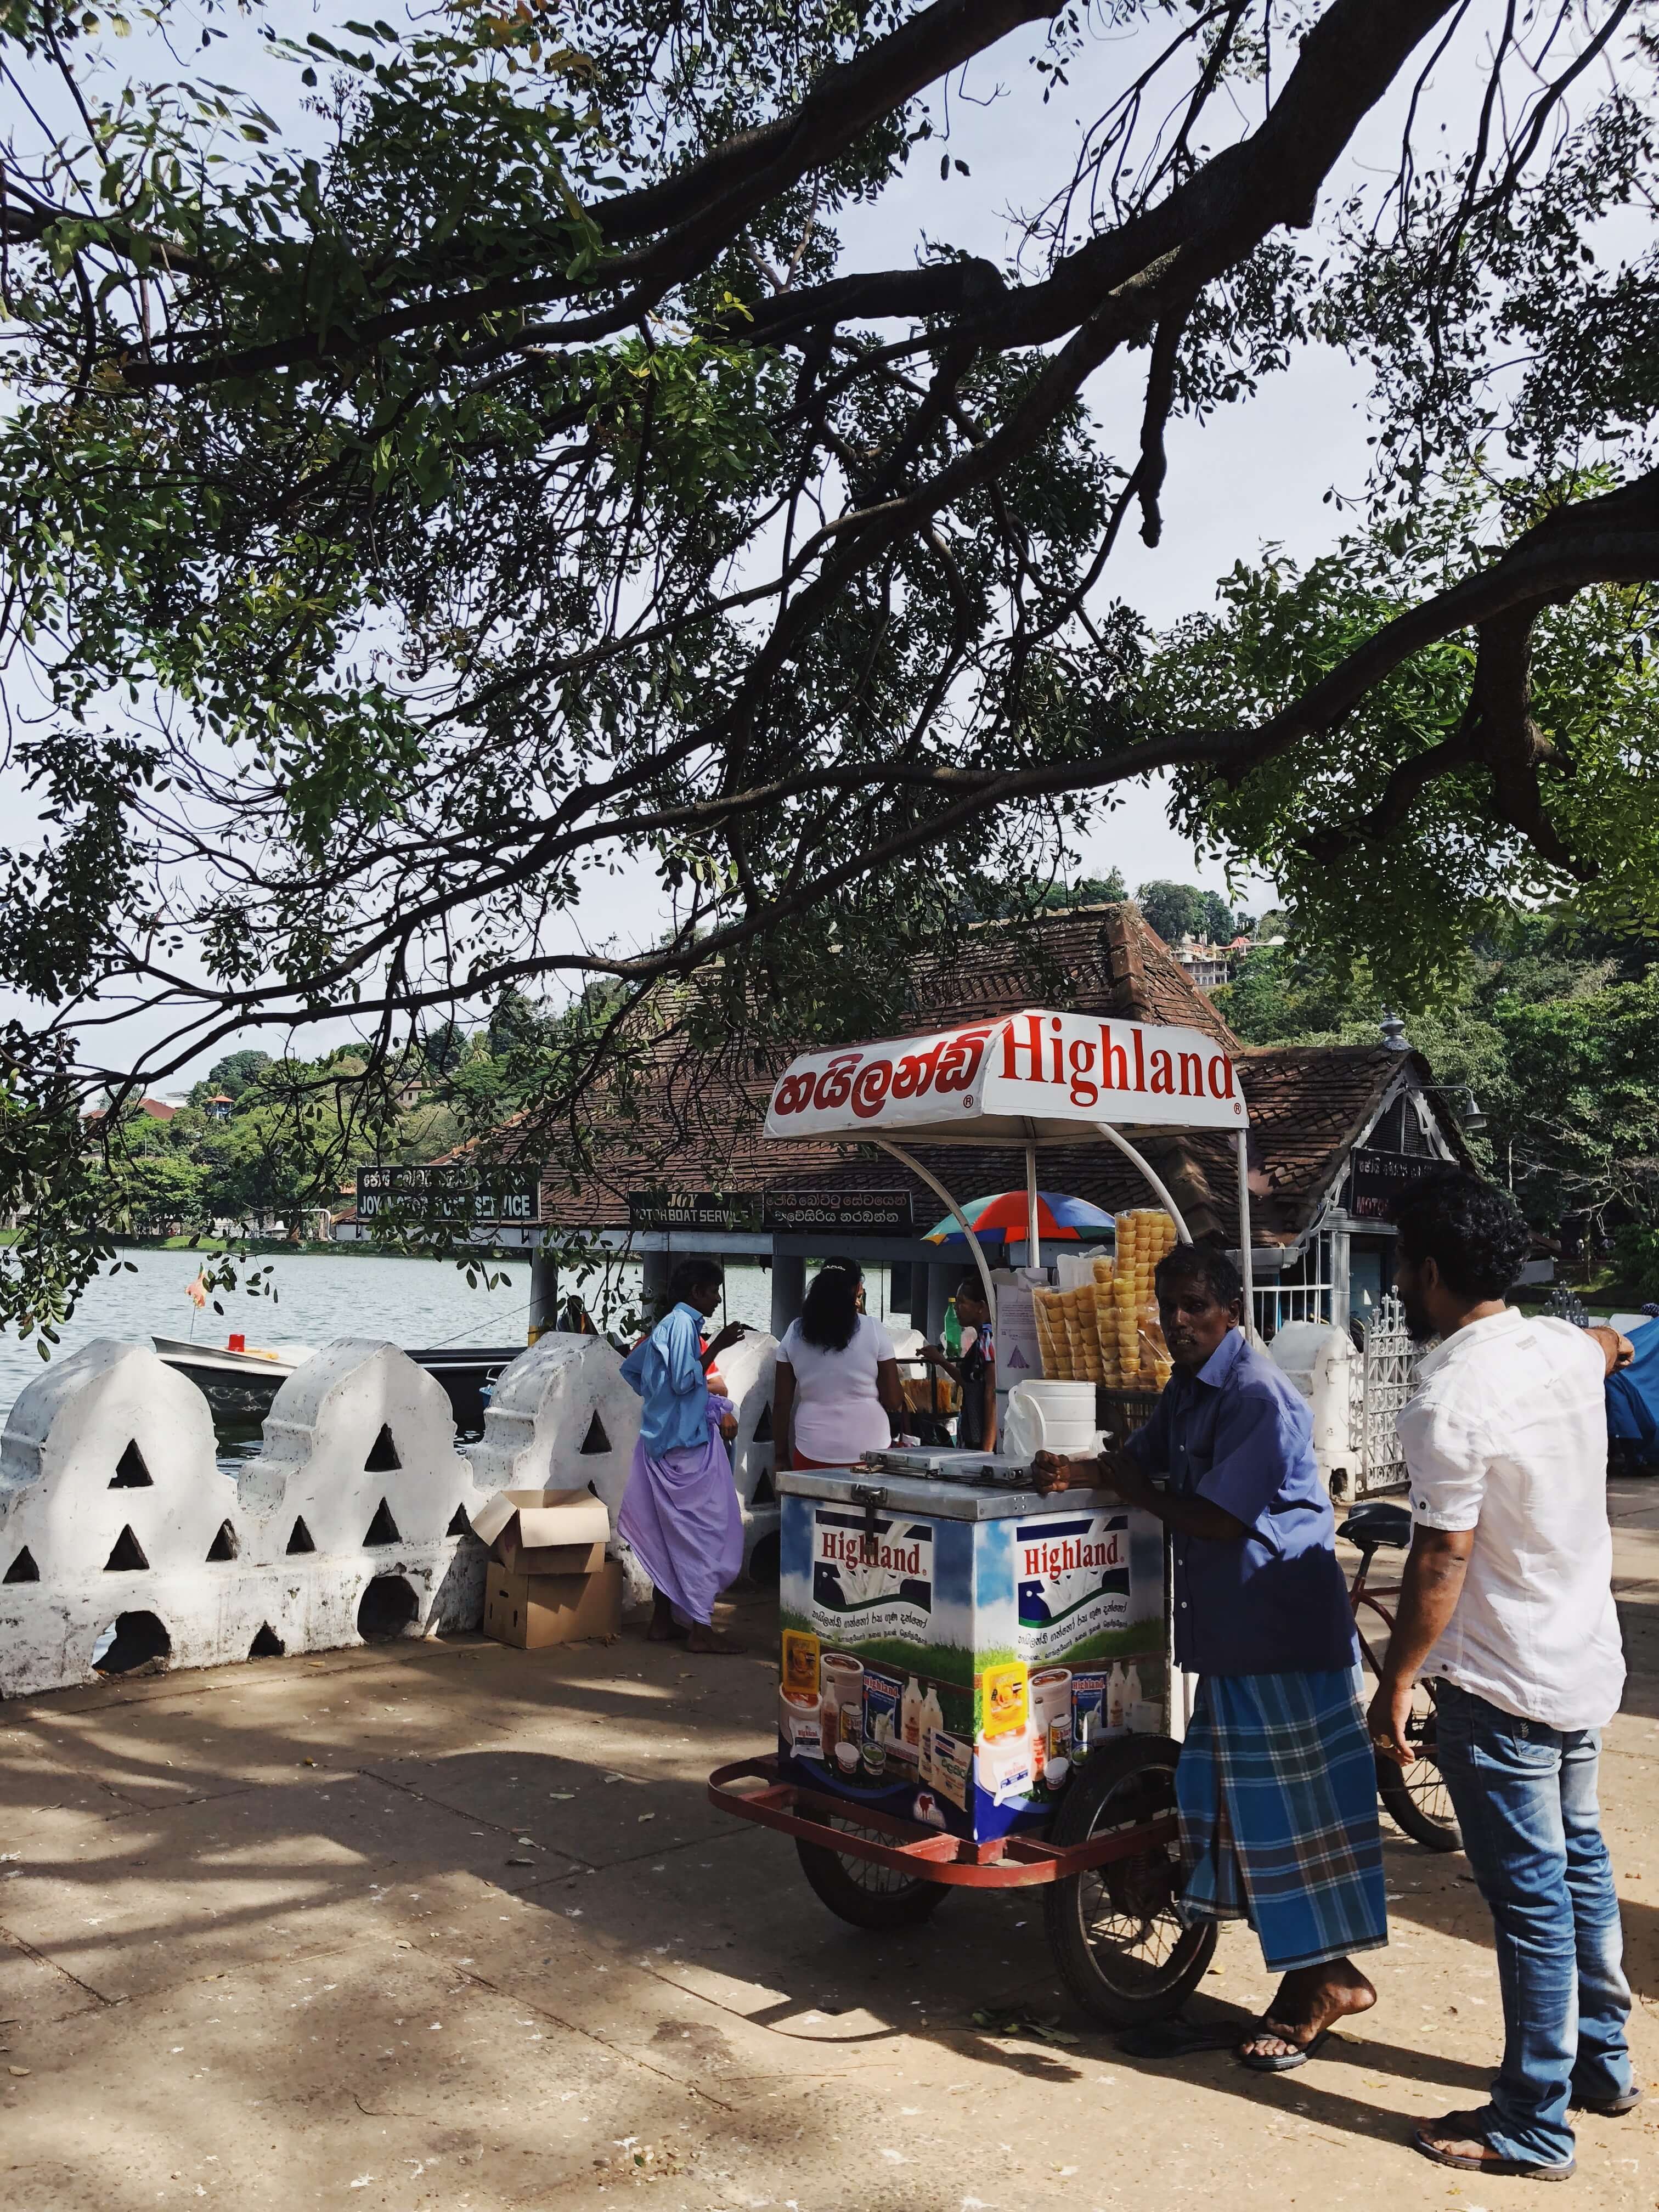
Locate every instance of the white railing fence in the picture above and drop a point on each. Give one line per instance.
(1381, 1379)
(120, 1537)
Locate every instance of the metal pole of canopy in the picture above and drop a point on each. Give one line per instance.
(1033, 1240)
(904, 1159)
(1144, 1165)
(1245, 1233)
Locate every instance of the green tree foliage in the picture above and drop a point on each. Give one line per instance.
(1552, 1025)
(231, 1076)
(1323, 820)
(1178, 910)
(1175, 910)
(451, 461)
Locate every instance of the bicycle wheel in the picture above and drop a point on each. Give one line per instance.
(1122, 1949)
(863, 1892)
(1416, 1797)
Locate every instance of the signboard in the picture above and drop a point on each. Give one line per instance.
(1378, 1180)
(864, 1212)
(1024, 1070)
(1019, 1352)
(441, 1194)
(692, 1209)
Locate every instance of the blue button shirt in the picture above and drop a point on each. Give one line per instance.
(667, 1371)
(1239, 1433)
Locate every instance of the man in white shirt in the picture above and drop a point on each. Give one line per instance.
(1507, 1606)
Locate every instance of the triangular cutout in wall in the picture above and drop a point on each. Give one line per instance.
(128, 1557)
(225, 1545)
(763, 1426)
(459, 1524)
(382, 1529)
(383, 1456)
(131, 1472)
(23, 1568)
(267, 1644)
(596, 1439)
(300, 1539)
(764, 1493)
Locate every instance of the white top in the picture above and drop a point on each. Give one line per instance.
(838, 1415)
(1506, 1433)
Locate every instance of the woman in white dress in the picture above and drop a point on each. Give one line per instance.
(837, 1394)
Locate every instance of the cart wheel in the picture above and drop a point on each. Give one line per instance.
(1416, 1797)
(863, 1891)
(1123, 1950)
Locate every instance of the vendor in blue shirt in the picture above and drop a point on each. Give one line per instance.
(1277, 1783)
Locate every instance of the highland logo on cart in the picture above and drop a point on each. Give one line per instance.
(1040, 1065)
(1073, 1578)
(886, 1589)
(1056, 1556)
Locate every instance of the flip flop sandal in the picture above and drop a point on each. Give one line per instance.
(1465, 2127)
(1609, 2108)
(1264, 2062)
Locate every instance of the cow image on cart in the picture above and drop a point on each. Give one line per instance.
(1105, 1849)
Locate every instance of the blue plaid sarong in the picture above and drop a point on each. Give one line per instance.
(1277, 1786)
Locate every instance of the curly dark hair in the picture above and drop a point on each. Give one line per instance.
(1473, 1232)
(1202, 1263)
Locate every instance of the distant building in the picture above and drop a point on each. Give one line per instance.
(217, 1108)
(1203, 963)
(156, 1109)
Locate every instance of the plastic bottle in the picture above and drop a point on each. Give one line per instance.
(950, 1335)
(1115, 1700)
(1132, 1690)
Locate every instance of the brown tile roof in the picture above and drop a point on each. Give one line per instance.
(699, 1118)
(1093, 960)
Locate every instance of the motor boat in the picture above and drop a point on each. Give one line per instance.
(239, 1385)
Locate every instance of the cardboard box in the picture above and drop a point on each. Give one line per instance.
(545, 1532)
(533, 1611)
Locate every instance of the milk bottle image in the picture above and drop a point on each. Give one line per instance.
(910, 1722)
(1114, 1698)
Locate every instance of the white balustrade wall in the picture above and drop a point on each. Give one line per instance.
(354, 1518)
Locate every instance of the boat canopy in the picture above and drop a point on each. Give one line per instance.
(1036, 1077)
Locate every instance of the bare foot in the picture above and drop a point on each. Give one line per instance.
(664, 1628)
(1308, 2002)
(711, 1641)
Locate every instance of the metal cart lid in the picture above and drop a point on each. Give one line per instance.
(924, 1497)
(1036, 1077)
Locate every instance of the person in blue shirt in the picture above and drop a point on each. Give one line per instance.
(1277, 1784)
(679, 1512)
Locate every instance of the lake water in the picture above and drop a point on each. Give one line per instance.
(424, 1303)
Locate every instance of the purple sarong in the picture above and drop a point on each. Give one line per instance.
(679, 1514)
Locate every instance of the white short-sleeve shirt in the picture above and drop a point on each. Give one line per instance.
(1506, 1433)
(838, 1415)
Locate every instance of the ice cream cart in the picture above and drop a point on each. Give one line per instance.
(977, 1686)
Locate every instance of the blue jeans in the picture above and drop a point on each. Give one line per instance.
(1525, 1796)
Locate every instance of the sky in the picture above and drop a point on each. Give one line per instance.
(1252, 474)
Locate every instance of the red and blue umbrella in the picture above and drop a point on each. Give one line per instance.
(1004, 1217)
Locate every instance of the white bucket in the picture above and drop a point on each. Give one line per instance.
(1055, 1417)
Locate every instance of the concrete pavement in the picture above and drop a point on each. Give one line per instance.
(452, 1926)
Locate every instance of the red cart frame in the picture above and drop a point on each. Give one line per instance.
(1012, 1862)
